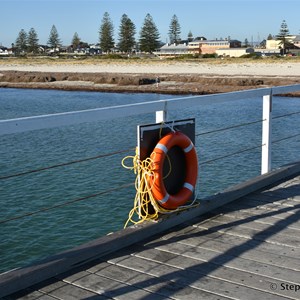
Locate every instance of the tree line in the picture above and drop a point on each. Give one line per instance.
(148, 41)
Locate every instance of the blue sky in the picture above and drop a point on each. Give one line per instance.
(239, 19)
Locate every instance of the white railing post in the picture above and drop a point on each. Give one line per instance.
(161, 115)
(266, 134)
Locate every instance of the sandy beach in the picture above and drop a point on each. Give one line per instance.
(184, 77)
(285, 68)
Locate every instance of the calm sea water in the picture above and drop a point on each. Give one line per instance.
(27, 239)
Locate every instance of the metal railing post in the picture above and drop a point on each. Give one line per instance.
(266, 134)
(161, 115)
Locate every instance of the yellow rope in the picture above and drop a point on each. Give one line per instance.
(144, 199)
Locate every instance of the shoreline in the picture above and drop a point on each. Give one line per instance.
(171, 77)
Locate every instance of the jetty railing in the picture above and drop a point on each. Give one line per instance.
(161, 109)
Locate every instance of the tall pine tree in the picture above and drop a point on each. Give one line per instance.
(21, 42)
(126, 34)
(54, 40)
(282, 36)
(32, 41)
(174, 30)
(190, 36)
(149, 35)
(75, 41)
(106, 33)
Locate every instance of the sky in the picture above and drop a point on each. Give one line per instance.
(237, 19)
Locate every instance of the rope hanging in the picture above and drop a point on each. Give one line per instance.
(143, 198)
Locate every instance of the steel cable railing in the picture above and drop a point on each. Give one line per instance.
(287, 137)
(246, 149)
(228, 128)
(44, 209)
(286, 115)
(230, 154)
(28, 214)
(65, 164)
(126, 150)
(233, 153)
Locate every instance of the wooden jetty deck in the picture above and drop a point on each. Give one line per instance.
(248, 248)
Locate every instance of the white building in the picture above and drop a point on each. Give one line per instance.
(172, 50)
(234, 52)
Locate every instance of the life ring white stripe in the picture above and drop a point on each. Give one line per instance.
(189, 148)
(188, 186)
(162, 147)
(165, 199)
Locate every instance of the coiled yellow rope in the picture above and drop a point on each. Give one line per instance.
(143, 198)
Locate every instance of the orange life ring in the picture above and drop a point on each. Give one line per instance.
(158, 156)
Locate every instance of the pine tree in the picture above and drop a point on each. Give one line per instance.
(282, 36)
(174, 30)
(106, 33)
(32, 41)
(21, 41)
(190, 36)
(126, 34)
(149, 35)
(246, 43)
(75, 40)
(54, 41)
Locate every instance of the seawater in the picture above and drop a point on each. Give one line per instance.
(36, 236)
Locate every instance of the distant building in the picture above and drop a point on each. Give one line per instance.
(204, 46)
(268, 52)
(172, 50)
(199, 45)
(95, 49)
(296, 41)
(276, 44)
(234, 52)
(3, 51)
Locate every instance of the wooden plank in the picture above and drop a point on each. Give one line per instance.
(281, 214)
(216, 277)
(71, 292)
(264, 253)
(269, 200)
(283, 191)
(279, 225)
(113, 289)
(231, 260)
(257, 211)
(267, 235)
(151, 283)
(250, 253)
(199, 235)
(29, 296)
(165, 273)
